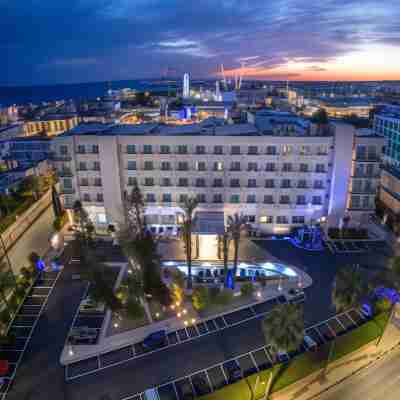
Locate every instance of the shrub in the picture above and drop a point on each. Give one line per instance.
(177, 293)
(381, 306)
(201, 298)
(134, 309)
(224, 297)
(178, 278)
(162, 294)
(214, 291)
(246, 289)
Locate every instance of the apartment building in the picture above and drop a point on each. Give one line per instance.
(387, 125)
(52, 124)
(277, 181)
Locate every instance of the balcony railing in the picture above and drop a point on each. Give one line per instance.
(65, 190)
(65, 173)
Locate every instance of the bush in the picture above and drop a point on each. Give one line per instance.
(382, 305)
(201, 298)
(214, 291)
(247, 289)
(162, 294)
(224, 297)
(178, 278)
(177, 293)
(134, 309)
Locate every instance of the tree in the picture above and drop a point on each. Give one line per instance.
(348, 290)
(283, 328)
(57, 206)
(134, 211)
(189, 206)
(237, 224)
(84, 235)
(320, 117)
(7, 283)
(225, 253)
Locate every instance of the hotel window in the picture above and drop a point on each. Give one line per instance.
(282, 219)
(235, 166)
(359, 169)
(361, 152)
(235, 183)
(320, 168)
(302, 184)
(148, 166)
(266, 219)
(67, 183)
(303, 167)
(298, 219)
(253, 150)
(235, 199)
(252, 183)
(370, 170)
(217, 198)
(317, 200)
(131, 165)
(99, 197)
(183, 182)
(365, 202)
(250, 219)
(164, 149)
(269, 183)
(95, 149)
(97, 182)
(235, 150)
(200, 182)
(355, 202)
(270, 167)
(166, 182)
(183, 198)
(287, 149)
(165, 166)
(81, 149)
(372, 153)
(268, 199)
(182, 149)
(201, 166)
(218, 150)
(285, 184)
(150, 198)
(200, 149)
(183, 166)
(201, 198)
(147, 149)
(218, 166)
(63, 150)
(96, 166)
(148, 181)
(301, 200)
(318, 184)
(322, 150)
(287, 167)
(271, 150)
(305, 150)
(131, 181)
(84, 182)
(86, 197)
(166, 198)
(130, 149)
(252, 166)
(251, 199)
(284, 199)
(218, 182)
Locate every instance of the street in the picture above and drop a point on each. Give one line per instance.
(379, 381)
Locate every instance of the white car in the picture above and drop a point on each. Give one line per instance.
(88, 305)
(310, 343)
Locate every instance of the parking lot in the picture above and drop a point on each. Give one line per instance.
(23, 326)
(355, 246)
(216, 376)
(136, 350)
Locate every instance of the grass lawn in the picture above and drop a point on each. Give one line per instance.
(158, 312)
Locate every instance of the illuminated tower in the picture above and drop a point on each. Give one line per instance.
(218, 96)
(186, 86)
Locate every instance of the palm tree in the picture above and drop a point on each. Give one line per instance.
(134, 210)
(348, 290)
(237, 224)
(188, 206)
(225, 252)
(7, 283)
(283, 328)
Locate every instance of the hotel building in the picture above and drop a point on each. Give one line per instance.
(278, 179)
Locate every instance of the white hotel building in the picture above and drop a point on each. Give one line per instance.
(279, 180)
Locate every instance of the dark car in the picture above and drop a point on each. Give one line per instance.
(233, 371)
(155, 340)
(185, 390)
(200, 386)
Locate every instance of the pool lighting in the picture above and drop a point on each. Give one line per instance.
(186, 323)
(193, 320)
(179, 315)
(184, 311)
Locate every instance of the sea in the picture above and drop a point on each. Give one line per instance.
(20, 95)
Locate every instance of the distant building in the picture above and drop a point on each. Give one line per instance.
(51, 124)
(186, 86)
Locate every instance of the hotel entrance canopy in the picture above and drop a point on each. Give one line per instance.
(209, 223)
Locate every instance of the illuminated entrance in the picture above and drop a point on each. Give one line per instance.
(208, 227)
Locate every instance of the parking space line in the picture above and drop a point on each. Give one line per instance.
(191, 384)
(42, 287)
(208, 378)
(223, 371)
(320, 334)
(223, 318)
(253, 360)
(351, 319)
(253, 311)
(267, 354)
(340, 323)
(21, 326)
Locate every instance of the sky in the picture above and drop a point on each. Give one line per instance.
(65, 41)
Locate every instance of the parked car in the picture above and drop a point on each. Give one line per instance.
(282, 356)
(233, 371)
(200, 386)
(155, 340)
(88, 305)
(367, 310)
(83, 335)
(310, 343)
(296, 296)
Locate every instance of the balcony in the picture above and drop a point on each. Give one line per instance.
(65, 190)
(60, 157)
(65, 173)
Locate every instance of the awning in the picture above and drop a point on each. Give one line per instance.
(209, 223)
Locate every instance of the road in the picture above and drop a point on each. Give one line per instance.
(42, 377)
(380, 381)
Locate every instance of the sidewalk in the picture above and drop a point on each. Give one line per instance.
(312, 386)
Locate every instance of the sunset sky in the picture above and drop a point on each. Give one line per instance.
(64, 41)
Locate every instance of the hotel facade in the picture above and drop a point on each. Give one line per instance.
(278, 181)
